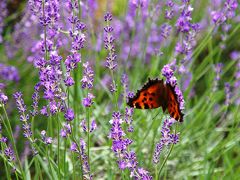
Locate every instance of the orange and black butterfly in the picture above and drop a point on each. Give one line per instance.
(156, 93)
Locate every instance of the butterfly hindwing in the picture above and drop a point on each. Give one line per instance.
(173, 104)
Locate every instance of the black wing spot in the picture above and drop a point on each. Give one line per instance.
(144, 99)
(153, 94)
(146, 106)
(150, 99)
(145, 94)
(137, 105)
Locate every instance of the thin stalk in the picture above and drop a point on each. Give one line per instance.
(88, 134)
(38, 168)
(6, 165)
(114, 85)
(165, 160)
(58, 147)
(13, 143)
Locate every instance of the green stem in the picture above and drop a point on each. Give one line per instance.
(12, 140)
(58, 147)
(88, 134)
(165, 160)
(6, 165)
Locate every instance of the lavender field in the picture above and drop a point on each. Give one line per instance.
(117, 89)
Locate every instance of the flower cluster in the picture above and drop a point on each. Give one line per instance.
(167, 139)
(23, 116)
(128, 118)
(227, 12)
(172, 81)
(81, 151)
(35, 98)
(46, 11)
(88, 101)
(92, 127)
(126, 159)
(3, 98)
(50, 76)
(8, 151)
(45, 139)
(88, 75)
(69, 115)
(66, 131)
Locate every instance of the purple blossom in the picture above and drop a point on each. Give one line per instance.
(83, 125)
(167, 139)
(78, 42)
(69, 81)
(93, 126)
(88, 76)
(20, 105)
(66, 131)
(167, 72)
(166, 30)
(88, 101)
(35, 98)
(81, 151)
(72, 61)
(9, 153)
(44, 111)
(45, 139)
(120, 145)
(108, 17)
(69, 115)
(218, 17)
(3, 98)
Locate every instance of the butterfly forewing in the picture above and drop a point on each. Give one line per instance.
(152, 95)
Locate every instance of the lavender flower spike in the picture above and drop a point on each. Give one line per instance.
(167, 139)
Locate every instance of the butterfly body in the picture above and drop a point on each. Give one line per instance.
(154, 94)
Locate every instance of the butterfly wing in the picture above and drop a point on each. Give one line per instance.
(152, 95)
(173, 104)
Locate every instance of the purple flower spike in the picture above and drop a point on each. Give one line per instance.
(167, 139)
(108, 17)
(9, 153)
(3, 98)
(93, 126)
(109, 43)
(88, 75)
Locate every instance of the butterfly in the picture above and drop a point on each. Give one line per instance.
(156, 93)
